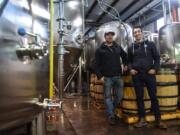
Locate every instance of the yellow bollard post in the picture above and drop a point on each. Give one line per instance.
(51, 53)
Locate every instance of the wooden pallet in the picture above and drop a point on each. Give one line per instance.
(131, 119)
(99, 106)
(92, 102)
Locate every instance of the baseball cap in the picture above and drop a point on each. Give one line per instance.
(109, 32)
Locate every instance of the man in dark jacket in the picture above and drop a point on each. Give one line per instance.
(108, 65)
(143, 62)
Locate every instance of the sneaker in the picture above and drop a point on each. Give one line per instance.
(141, 123)
(112, 120)
(161, 125)
(117, 118)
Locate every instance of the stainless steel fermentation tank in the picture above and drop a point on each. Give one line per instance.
(20, 83)
(123, 33)
(72, 39)
(123, 36)
(169, 42)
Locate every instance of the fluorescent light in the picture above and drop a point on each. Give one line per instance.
(73, 4)
(77, 22)
(40, 11)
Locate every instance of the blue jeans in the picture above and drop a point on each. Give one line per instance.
(116, 85)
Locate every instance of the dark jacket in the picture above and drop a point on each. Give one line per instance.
(107, 60)
(143, 57)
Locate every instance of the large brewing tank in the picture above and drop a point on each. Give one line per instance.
(154, 37)
(20, 83)
(123, 36)
(169, 42)
(123, 33)
(73, 41)
(90, 51)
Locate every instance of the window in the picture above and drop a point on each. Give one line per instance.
(160, 23)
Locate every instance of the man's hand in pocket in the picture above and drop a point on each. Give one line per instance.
(152, 72)
(133, 72)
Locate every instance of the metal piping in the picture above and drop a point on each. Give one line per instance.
(166, 3)
(170, 14)
(83, 32)
(151, 5)
(51, 52)
(164, 11)
(135, 12)
(65, 88)
(80, 76)
(61, 50)
(178, 11)
(91, 9)
(108, 9)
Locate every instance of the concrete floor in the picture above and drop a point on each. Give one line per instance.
(80, 118)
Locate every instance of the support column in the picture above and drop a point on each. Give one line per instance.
(61, 49)
(34, 127)
(80, 76)
(41, 124)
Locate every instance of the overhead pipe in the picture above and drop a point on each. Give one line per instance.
(51, 52)
(167, 5)
(164, 11)
(170, 13)
(178, 11)
(84, 3)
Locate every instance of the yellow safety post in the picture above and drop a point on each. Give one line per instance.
(51, 53)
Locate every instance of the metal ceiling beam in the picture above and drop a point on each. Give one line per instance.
(101, 16)
(140, 8)
(146, 9)
(129, 6)
(108, 9)
(87, 31)
(152, 19)
(93, 24)
(91, 9)
(150, 15)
